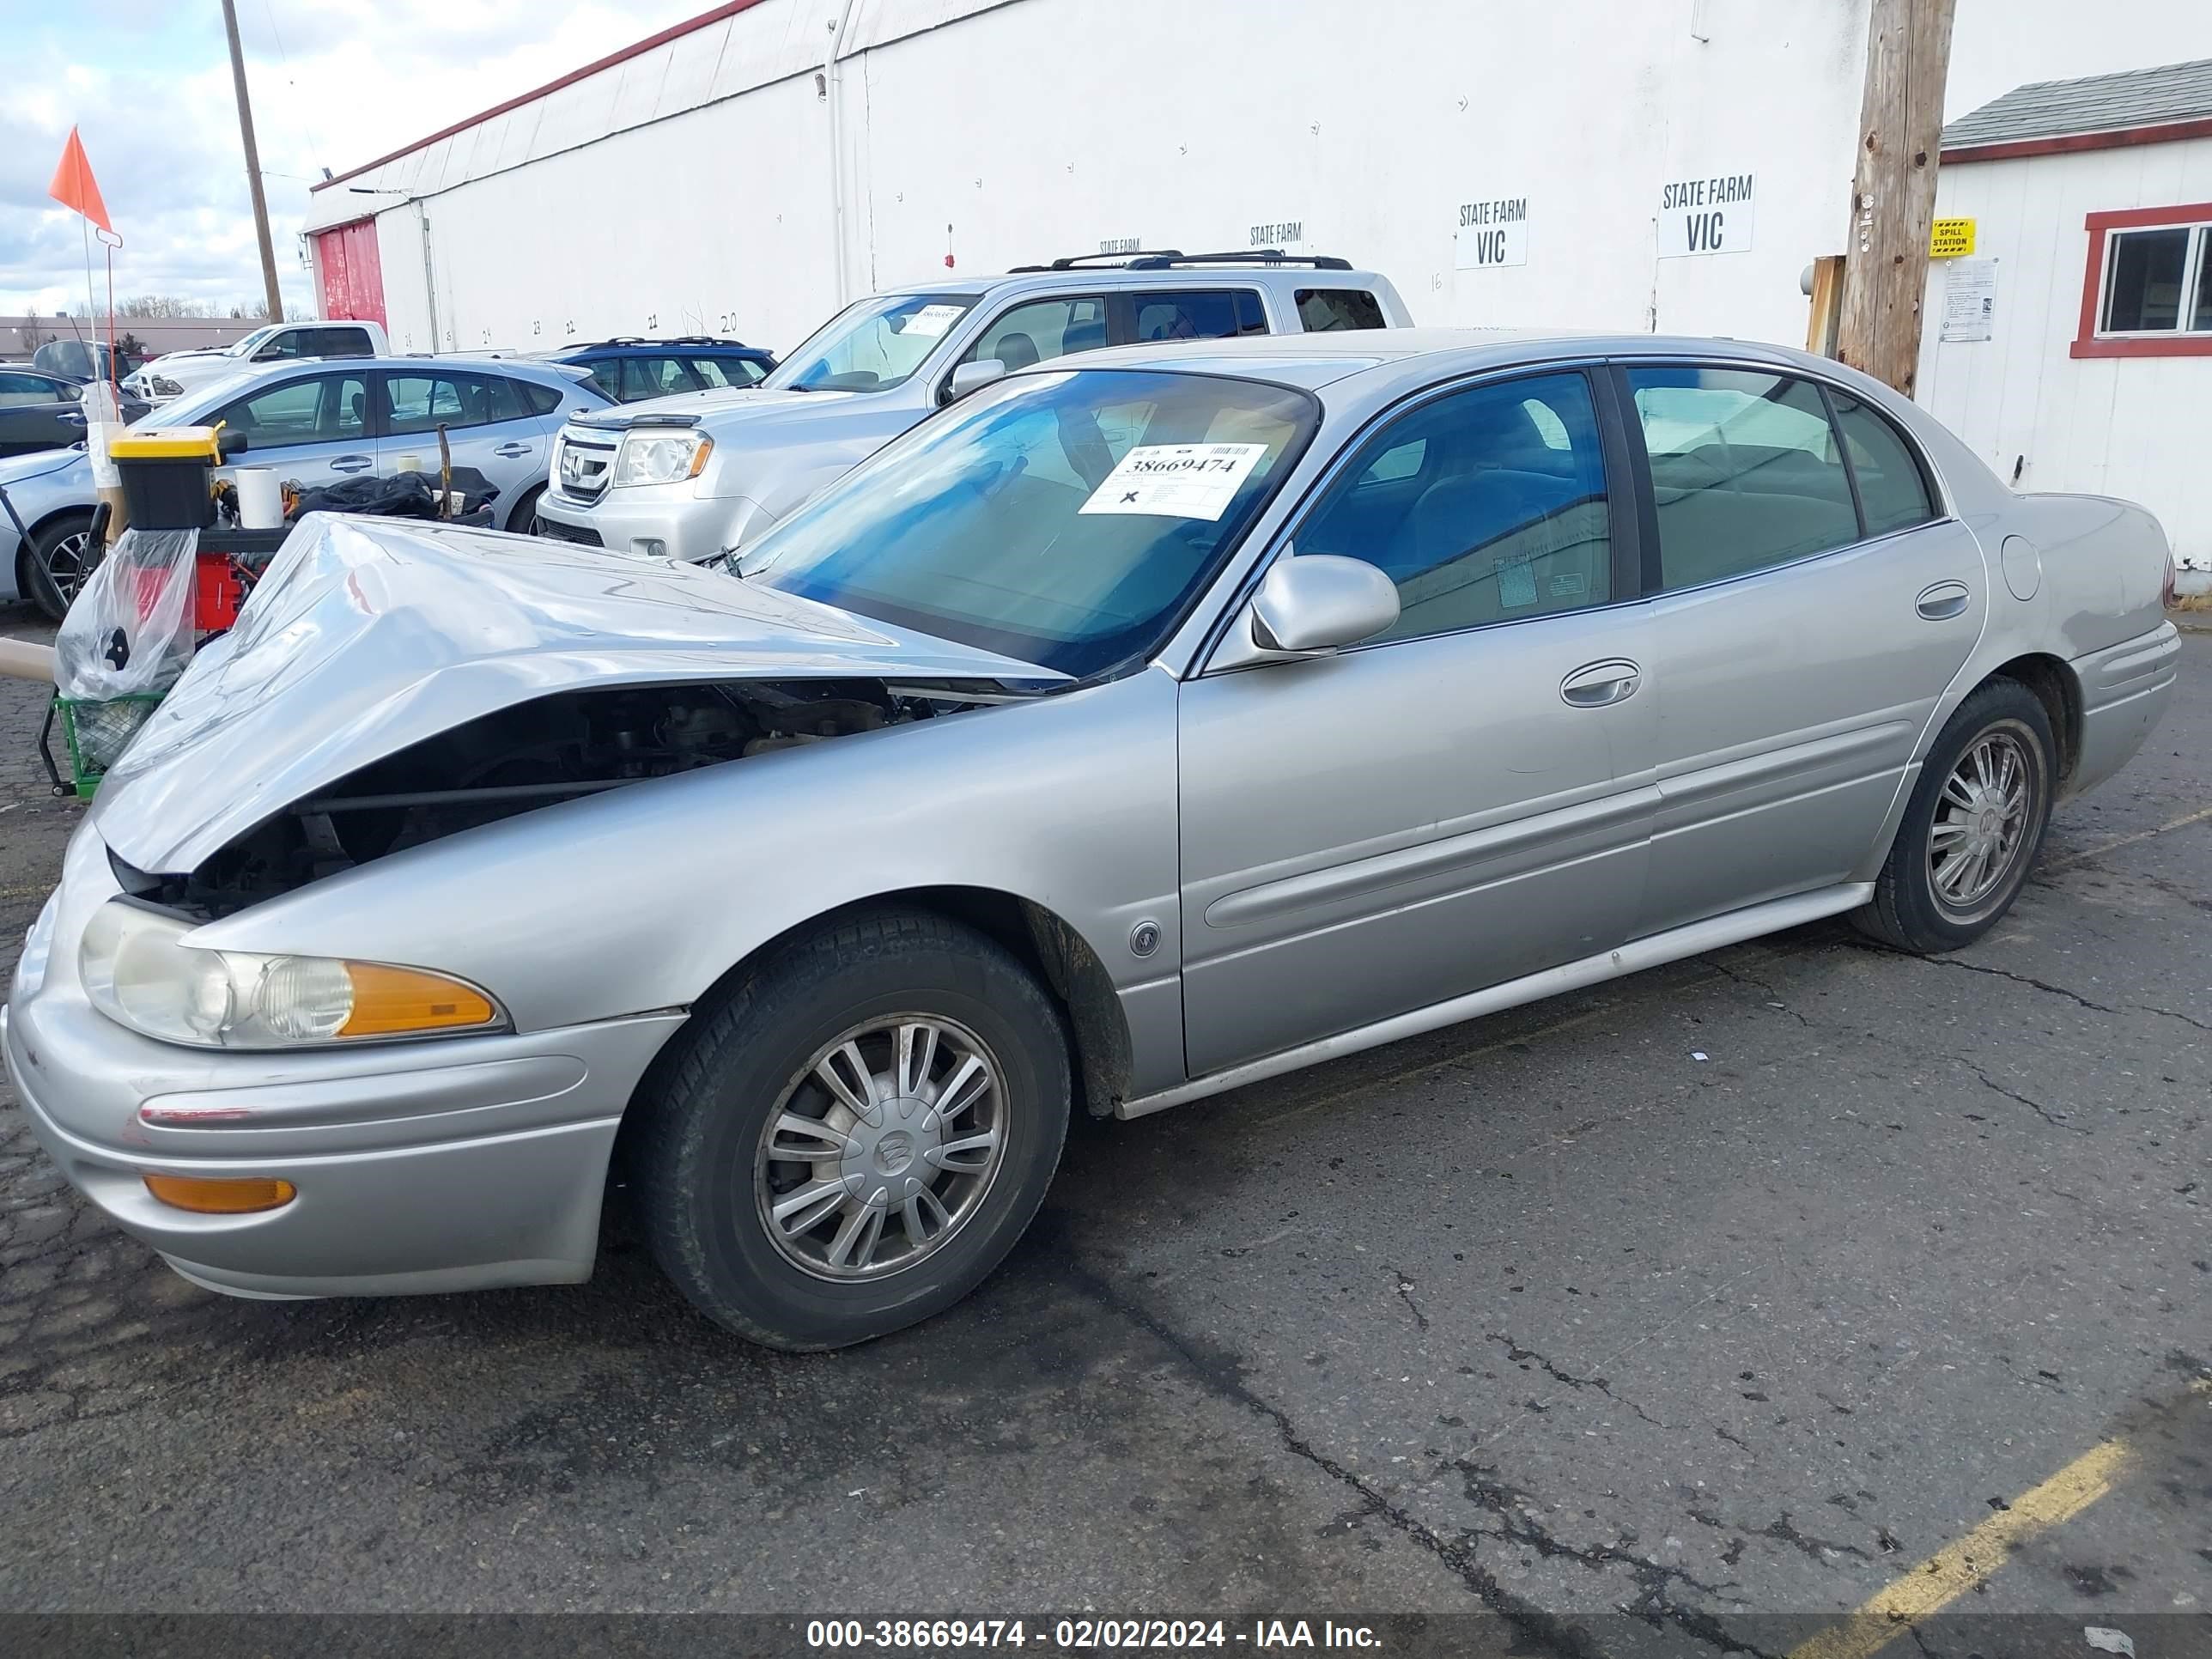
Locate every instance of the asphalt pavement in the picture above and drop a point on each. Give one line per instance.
(1690, 1313)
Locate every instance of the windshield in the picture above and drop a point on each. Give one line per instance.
(1066, 520)
(246, 347)
(871, 345)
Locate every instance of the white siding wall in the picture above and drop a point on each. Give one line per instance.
(2133, 426)
(690, 188)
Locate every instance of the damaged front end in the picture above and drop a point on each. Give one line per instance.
(391, 684)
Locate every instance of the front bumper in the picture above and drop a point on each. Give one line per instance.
(660, 521)
(436, 1166)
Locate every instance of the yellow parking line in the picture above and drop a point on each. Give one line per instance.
(1944, 1576)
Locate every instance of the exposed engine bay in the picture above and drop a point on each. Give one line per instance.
(535, 755)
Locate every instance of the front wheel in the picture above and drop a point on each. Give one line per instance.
(60, 557)
(524, 521)
(1972, 828)
(856, 1136)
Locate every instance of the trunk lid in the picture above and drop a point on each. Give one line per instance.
(368, 635)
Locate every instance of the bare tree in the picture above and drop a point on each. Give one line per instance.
(158, 305)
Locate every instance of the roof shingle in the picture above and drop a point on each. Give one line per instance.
(2097, 103)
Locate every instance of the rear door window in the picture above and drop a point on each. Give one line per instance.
(654, 377)
(423, 403)
(606, 374)
(1745, 471)
(1327, 310)
(335, 342)
(1197, 314)
(16, 390)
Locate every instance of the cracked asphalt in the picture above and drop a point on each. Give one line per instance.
(1682, 1315)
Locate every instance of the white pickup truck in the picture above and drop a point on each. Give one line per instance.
(175, 372)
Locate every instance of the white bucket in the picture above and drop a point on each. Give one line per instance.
(260, 499)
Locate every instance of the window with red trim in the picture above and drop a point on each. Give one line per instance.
(2147, 291)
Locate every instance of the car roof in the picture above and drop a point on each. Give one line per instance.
(234, 384)
(644, 347)
(1324, 359)
(1190, 274)
(421, 360)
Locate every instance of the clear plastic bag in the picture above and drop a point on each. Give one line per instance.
(130, 630)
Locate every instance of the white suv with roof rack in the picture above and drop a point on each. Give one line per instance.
(695, 475)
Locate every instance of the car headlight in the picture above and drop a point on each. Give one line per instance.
(659, 458)
(139, 972)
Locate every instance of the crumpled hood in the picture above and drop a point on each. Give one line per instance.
(367, 635)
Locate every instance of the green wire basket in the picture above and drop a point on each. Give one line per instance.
(95, 732)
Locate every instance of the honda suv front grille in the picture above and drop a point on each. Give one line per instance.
(584, 466)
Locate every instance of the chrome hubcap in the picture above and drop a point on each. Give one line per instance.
(1981, 821)
(881, 1148)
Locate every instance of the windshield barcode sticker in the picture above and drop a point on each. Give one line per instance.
(1176, 481)
(931, 321)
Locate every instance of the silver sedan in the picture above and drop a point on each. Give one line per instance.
(1123, 734)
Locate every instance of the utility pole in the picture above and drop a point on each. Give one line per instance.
(1893, 190)
(253, 165)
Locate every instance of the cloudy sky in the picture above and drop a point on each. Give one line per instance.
(334, 83)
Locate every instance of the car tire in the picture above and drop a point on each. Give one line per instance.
(58, 561)
(737, 1228)
(525, 519)
(1972, 828)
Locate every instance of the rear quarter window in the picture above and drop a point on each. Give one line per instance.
(1329, 310)
(1891, 489)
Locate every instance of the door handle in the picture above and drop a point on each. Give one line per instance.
(351, 463)
(512, 450)
(70, 417)
(1596, 684)
(1941, 601)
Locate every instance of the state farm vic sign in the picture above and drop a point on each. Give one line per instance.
(1709, 214)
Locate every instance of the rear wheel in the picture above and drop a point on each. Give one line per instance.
(856, 1136)
(61, 556)
(1973, 826)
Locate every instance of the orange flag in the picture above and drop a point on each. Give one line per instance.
(74, 186)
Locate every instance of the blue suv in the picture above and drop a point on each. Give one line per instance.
(630, 367)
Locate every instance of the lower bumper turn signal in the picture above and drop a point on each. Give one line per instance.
(207, 1196)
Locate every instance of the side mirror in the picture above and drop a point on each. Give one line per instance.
(1310, 604)
(230, 441)
(973, 377)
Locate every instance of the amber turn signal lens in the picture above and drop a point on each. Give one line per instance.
(207, 1196)
(387, 1001)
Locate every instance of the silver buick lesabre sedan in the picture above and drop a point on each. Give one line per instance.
(1125, 733)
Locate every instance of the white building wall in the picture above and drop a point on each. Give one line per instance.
(2132, 426)
(692, 188)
